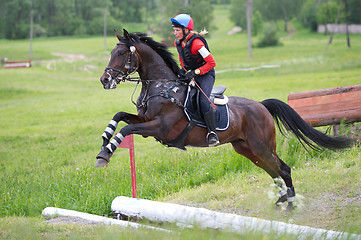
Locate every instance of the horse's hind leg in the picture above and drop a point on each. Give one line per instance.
(290, 193)
(273, 165)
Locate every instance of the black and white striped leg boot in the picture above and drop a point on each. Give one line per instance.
(109, 132)
(105, 154)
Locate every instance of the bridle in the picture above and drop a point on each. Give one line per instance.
(131, 65)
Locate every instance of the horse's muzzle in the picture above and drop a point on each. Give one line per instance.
(108, 82)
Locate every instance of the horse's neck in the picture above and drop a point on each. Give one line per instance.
(153, 66)
(156, 75)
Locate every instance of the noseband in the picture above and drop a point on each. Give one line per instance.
(131, 65)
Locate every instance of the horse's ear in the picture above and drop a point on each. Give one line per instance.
(126, 34)
(117, 34)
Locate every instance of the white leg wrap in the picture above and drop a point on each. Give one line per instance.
(283, 192)
(109, 146)
(120, 136)
(115, 142)
(114, 123)
(109, 130)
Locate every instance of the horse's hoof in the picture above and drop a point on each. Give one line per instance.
(290, 206)
(104, 154)
(103, 159)
(101, 163)
(281, 200)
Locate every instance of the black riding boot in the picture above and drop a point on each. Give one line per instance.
(212, 138)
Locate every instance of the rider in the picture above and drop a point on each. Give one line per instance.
(195, 58)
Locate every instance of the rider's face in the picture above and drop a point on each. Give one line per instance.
(178, 33)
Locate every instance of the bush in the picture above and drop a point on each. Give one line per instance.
(308, 14)
(269, 36)
(257, 23)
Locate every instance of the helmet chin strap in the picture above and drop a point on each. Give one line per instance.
(184, 34)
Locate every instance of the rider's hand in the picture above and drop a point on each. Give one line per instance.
(191, 74)
(182, 73)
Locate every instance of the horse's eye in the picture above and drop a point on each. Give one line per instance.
(121, 53)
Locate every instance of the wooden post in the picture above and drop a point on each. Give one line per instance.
(31, 34)
(105, 28)
(326, 18)
(337, 17)
(347, 33)
(249, 19)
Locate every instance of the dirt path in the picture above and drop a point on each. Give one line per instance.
(69, 57)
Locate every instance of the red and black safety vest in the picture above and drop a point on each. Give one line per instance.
(190, 60)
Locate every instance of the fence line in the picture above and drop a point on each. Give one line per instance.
(249, 69)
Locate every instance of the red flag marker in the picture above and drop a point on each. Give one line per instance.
(128, 142)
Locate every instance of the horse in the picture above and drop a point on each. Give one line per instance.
(160, 114)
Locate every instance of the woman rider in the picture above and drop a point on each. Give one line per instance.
(195, 58)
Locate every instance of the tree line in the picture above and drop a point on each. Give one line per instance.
(308, 12)
(86, 17)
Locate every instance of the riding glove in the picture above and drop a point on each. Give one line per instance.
(182, 73)
(191, 74)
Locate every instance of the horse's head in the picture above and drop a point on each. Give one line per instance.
(123, 62)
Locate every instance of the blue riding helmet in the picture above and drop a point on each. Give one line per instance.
(183, 20)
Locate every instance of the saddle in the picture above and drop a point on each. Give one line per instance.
(192, 111)
(217, 95)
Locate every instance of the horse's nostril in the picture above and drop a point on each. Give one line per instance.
(104, 79)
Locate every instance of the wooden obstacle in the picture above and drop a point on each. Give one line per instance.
(328, 106)
(18, 64)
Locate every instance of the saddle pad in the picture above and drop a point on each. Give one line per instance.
(192, 112)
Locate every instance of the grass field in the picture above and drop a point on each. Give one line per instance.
(53, 114)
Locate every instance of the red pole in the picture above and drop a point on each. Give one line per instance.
(133, 171)
(128, 142)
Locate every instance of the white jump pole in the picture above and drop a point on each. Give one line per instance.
(52, 212)
(204, 218)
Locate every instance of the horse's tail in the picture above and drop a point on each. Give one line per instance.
(291, 120)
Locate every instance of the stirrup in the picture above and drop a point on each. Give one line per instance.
(214, 141)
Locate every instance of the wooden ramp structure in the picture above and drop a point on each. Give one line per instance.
(328, 106)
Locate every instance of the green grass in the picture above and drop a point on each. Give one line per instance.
(52, 117)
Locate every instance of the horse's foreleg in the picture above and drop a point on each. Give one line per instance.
(113, 124)
(150, 128)
(108, 133)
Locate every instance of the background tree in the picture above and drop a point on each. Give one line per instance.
(200, 10)
(78, 17)
(354, 11)
(331, 7)
(273, 10)
(17, 18)
(238, 13)
(308, 14)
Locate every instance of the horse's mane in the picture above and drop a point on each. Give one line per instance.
(160, 48)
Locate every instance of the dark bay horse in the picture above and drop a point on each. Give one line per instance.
(160, 114)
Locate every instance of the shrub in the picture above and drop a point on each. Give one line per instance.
(257, 23)
(269, 36)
